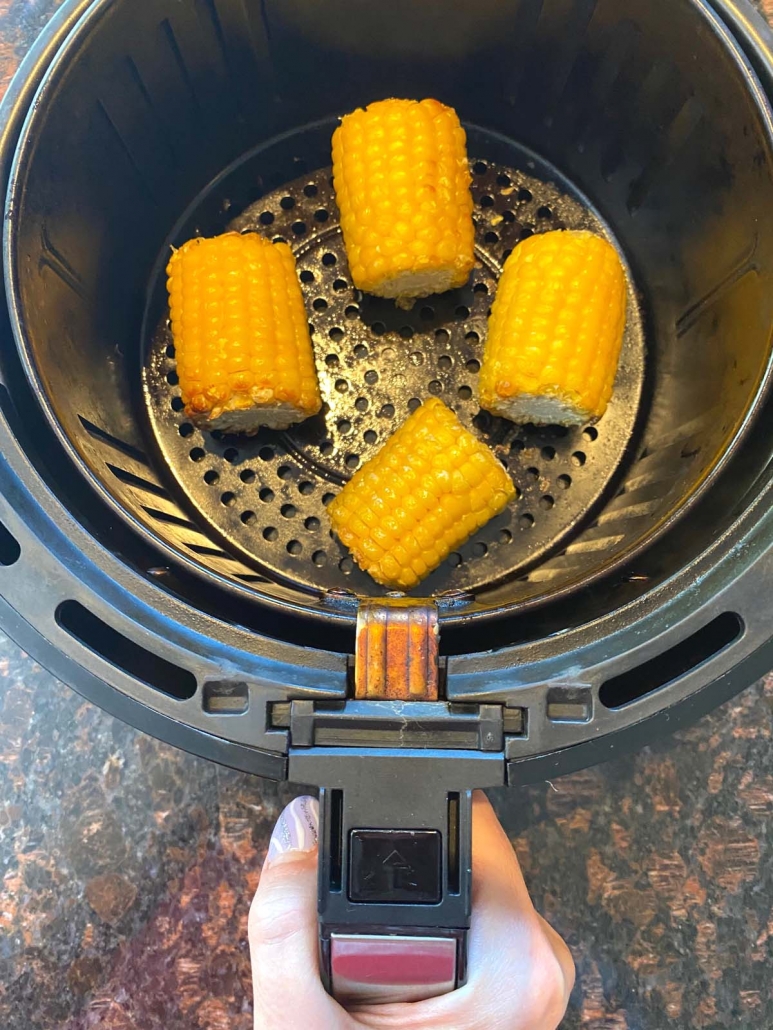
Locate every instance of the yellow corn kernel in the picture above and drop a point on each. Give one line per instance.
(555, 331)
(241, 334)
(402, 183)
(462, 486)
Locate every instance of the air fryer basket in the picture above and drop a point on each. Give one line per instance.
(184, 568)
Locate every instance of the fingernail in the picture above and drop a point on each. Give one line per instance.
(296, 830)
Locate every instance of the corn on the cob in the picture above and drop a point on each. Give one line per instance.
(427, 490)
(241, 334)
(555, 331)
(402, 183)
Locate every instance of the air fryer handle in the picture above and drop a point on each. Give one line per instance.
(394, 892)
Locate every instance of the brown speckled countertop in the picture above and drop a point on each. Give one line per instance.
(127, 867)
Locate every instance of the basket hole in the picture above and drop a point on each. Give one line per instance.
(346, 565)
(486, 200)
(352, 311)
(321, 215)
(361, 404)
(170, 351)
(672, 664)
(387, 411)
(462, 312)
(328, 259)
(231, 455)
(505, 536)
(546, 502)
(472, 337)
(464, 393)
(327, 498)
(124, 653)
(435, 387)
(197, 454)
(473, 366)
(294, 547)
(172, 378)
(591, 434)
(307, 276)
(331, 360)
(227, 498)
(305, 487)
(289, 511)
(370, 436)
(371, 377)
(524, 195)
(279, 239)
(416, 357)
(526, 232)
(266, 495)
(352, 461)
(299, 228)
(249, 518)
(247, 476)
(326, 448)
(454, 559)
(508, 216)
(480, 168)
(491, 237)
(211, 477)
(287, 203)
(360, 351)
(517, 446)
(266, 453)
(548, 453)
(312, 523)
(480, 288)
(320, 304)
(342, 385)
(479, 549)
(503, 180)
(579, 458)
(444, 362)
(319, 558)
(344, 425)
(177, 404)
(378, 328)
(427, 312)
(414, 403)
(340, 284)
(266, 218)
(533, 471)
(284, 472)
(406, 331)
(442, 335)
(336, 334)
(526, 520)
(270, 533)
(544, 212)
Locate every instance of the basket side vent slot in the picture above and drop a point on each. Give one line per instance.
(123, 653)
(677, 661)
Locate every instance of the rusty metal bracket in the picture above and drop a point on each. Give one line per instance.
(396, 655)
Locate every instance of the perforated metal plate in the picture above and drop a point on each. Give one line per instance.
(264, 498)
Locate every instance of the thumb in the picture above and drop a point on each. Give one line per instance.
(283, 926)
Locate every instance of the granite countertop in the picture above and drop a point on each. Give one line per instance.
(127, 867)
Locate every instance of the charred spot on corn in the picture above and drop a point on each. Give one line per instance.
(241, 334)
(402, 183)
(429, 488)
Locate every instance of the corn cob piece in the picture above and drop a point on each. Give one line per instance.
(427, 490)
(555, 331)
(241, 334)
(402, 183)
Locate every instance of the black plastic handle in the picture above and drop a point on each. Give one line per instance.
(395, 867)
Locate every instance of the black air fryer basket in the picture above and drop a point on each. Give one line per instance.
(190, 584)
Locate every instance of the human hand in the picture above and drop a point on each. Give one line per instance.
(520, 972)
